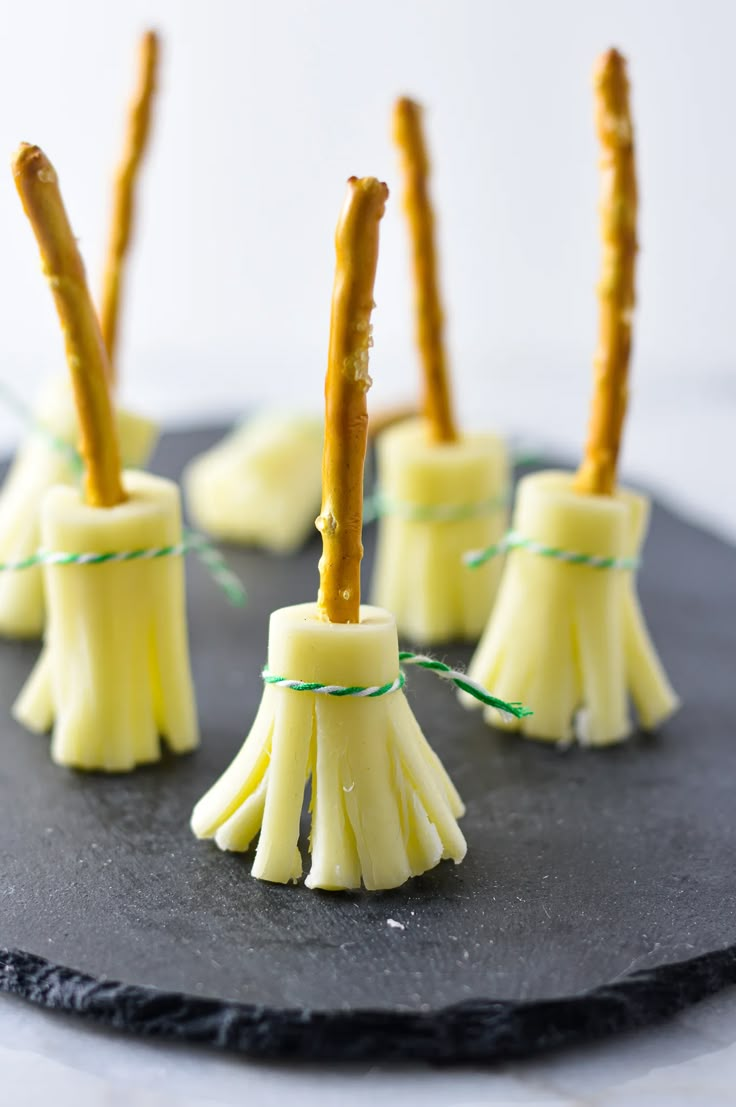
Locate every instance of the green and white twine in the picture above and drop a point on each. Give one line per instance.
(439, 668)
(379, 504)
(371, 692)
(513, 540)
(191, 542)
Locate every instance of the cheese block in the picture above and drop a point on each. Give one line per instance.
(261, 485)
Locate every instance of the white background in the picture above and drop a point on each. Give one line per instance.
(266, 108)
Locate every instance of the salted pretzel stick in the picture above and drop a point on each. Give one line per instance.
(36, 181)
(346, 411)
(409, 139)
(618, 209)
(121, 223)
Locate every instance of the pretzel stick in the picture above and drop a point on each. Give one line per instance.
(346, 411)
(136, 138)
(437, 404)
(618, 209)
(386, 417)
(36, 181)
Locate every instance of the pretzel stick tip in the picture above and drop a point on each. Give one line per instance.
(407, 132)
(37, 185)
(414, 161)
(123, 202)
(346, 410)
(616, 289)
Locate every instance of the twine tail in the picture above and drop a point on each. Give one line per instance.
(217, 567)
(475, 558)
(464, 683)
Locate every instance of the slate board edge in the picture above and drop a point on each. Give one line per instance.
(477, 1031)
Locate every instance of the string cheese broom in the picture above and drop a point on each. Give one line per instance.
(441, 491)
(47, 456)
(567, 632)
(114, 672)
(383, 808)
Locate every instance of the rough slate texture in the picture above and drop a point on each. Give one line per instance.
(583, 867)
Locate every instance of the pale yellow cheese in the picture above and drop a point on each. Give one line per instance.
(114, 675)
(383, 807)
(261, 485)
(37, 466)
(568, 640)
(419, 573)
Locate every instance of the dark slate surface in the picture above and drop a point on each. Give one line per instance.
(583, 867)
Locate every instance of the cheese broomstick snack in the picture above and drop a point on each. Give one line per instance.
(114, 672)
(441, 491)
(567, 632)
(383, 808)
(47, 456)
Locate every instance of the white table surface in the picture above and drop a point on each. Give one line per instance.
(679, 443)
(48, 1059)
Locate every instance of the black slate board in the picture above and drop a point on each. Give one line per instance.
(597, 893)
